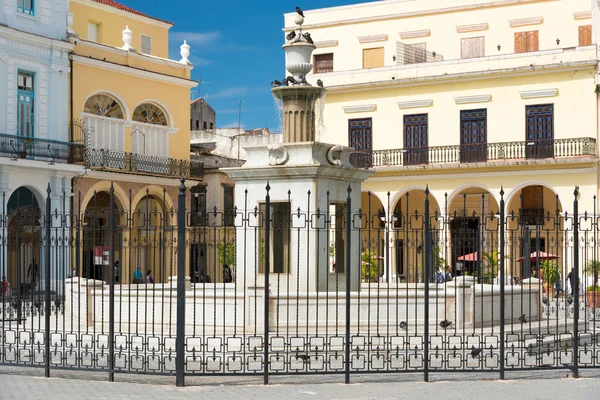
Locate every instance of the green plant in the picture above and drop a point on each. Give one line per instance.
(593, 268)
(592, 288)
(369, 266)
(227, 253)
(491, 265)
(550, 272)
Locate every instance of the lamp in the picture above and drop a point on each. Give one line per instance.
(394, 57)
(499, 47)
(433, 54)
(557, 41)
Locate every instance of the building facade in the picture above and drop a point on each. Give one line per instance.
(132, 106)
(463, 99)
(202, 115)
(36, 153)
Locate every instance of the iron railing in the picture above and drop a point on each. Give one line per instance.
(32, 148)
(557, 148)
(141, 163)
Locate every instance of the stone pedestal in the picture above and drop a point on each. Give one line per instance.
(298, 112)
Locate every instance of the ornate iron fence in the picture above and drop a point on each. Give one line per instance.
(296, 290)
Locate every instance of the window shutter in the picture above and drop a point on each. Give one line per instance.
(467, 47)
(146, 47)
(532, 41)
(93, 32)
(323, 63)
(585, 35)
(520, 42)
(373, 58)
(479, 45)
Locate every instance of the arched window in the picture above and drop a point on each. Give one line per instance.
(150, 131)
(149, 114)
(104, 123)
(103, 105)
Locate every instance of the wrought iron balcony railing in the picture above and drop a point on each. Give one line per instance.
(486, 152)
(32, 148)
(141, 163)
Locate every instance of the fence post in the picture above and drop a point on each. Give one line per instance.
(502, 282)
(111, 285)
(428, 266)
(180, 341)
(576, 283)
(267, 271)
(348, 279)
(47, 284)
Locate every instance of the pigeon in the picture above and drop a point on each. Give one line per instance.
(445, 323)
(475, 352)
(522, 319)
(545, 300)
(290, 79)
(303, 79)
(403, 325)
(306, 36)
(275, 83)
(319, 83)
(290, 35)
(299, 11)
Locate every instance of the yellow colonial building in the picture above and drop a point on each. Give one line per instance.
(464, 97)
(129, 104)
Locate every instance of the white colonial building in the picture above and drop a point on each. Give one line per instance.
(36, 148)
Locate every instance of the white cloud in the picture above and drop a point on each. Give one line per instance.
(229, 92)
(203, 39)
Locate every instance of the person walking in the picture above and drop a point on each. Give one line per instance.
(149, 277)
(137, 276)
(32, 273)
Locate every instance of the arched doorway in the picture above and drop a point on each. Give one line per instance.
(535, 223)
(95, 232)
(407, 222)
(473, 222)
(150, 248)
(24, 241)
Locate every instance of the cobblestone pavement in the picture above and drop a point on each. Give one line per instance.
(27, 383)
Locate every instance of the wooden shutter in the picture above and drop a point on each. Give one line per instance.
(323, 63)
(472, 47)
(531, 196)
(532, 41)
(520, 42)
(373, 58)
(466, 48)
(585, 35)
(146, 47)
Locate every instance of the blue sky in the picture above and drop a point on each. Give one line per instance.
(236, 46)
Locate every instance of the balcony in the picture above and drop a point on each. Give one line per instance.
(485, 152)
(120, 161)
(32, 148)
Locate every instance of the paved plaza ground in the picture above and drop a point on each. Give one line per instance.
(28, 384)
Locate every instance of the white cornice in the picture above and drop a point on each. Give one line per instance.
(326, 43)
(140, 56)
(582, 15)
(373, 38)
(460, 77)
(123, 13)
(42, 41)
(534, 94)
(134, 71)
(482, 98)
(415, 103)
(472, 28)
(415, 34)
(3, 56)
(409, 14)
(525, 21)
(360, 108)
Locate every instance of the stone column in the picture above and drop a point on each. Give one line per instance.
(298, 112)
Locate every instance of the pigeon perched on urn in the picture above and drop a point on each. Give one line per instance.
(306, 36)
(299, 11)
(291, 35)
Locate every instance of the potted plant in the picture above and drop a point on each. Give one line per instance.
(550, 275)
(227, 259)
(593, 292)
(27, 145)
(369, 266)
